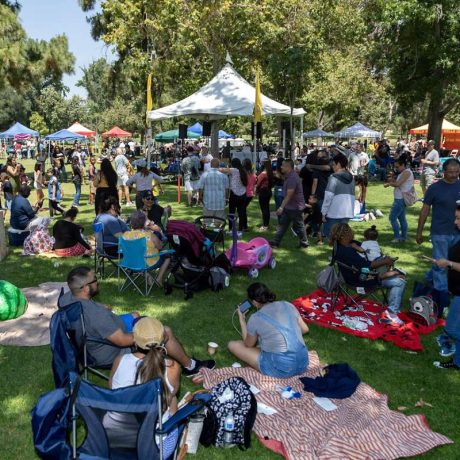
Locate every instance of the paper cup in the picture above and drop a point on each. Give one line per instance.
(212, 348)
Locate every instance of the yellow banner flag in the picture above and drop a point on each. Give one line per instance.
(258, 101)
(149, 95)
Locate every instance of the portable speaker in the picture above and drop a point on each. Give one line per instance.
(206, 128)
(286, 126)
(182, 131)
(258, 130)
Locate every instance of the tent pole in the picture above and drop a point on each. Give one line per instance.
(284, 142)
(149, 143)
(254, 159)
(301, 132)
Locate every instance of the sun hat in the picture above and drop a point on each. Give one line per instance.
(148, 332)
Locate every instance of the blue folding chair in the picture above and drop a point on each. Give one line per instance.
(134, 264)
(141, 406)
(100, 253)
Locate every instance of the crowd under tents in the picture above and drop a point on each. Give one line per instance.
(449, 131)
(358, 130)
(117, 132)
(18, 131)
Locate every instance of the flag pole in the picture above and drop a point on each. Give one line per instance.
(149, 122)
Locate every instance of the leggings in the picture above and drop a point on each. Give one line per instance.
(264, 203)
(238, 203)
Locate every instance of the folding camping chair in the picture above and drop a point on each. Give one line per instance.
(68, 341)
(100, 253)
(134, 265)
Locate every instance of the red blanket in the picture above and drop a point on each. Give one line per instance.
(315, 308)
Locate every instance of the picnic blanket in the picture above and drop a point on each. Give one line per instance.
(316, 308)
(32, 328)
(361, 428)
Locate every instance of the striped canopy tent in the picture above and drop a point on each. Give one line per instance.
(80, 129)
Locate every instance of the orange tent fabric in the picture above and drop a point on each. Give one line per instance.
(80, 129)
(116, 132)
(447, 128)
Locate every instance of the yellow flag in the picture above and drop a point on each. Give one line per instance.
(258, 101)
(149, 95)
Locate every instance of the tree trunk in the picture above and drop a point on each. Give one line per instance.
(3, 248)
(435, 119)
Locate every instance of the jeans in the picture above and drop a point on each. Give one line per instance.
(278, 193)
(330, 222)
(76, 197)
(238, 203)
(288, 216)
(398, 219)
(395, 288)
(452, 326)
(264, 203)
(441, 245)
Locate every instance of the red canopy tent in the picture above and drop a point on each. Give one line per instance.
(116, 132)
(449, 131)
(80, 129)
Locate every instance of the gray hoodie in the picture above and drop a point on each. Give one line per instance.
(339, 198)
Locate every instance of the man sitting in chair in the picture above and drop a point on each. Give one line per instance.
(102, 323)
(346, 252)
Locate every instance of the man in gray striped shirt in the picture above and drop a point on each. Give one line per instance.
(213, 186)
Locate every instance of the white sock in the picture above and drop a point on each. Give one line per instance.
(192, 365)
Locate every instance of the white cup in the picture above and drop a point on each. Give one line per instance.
(212, 348)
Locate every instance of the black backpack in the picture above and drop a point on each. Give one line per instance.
(243, 405)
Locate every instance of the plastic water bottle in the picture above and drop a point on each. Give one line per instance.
(229, 430)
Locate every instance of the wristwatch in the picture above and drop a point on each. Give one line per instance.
(451, 265)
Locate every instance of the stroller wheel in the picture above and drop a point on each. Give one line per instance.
(188, 295)
(253, 273)
(272, 263)
(167, 288)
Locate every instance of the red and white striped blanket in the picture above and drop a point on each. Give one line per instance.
(361, 428)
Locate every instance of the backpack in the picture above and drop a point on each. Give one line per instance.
(423, 310)
(194, 171)
(244, 408)
(218, 278)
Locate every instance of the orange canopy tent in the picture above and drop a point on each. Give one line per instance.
(80, 129)
(116, 132)
(449, 132)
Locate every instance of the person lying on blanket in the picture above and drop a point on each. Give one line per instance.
(272, 339)
(347, 252)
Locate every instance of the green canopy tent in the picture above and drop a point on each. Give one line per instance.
(171, 136)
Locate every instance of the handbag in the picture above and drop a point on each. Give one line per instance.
(410, 197)
(328, 279)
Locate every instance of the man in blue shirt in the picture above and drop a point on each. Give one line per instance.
(442, 198)
(21, 210)
(213, 186)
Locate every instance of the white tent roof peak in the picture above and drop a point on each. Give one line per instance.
(228, 94)
(228, 59)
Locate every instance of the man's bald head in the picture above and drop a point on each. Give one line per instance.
(215, 163)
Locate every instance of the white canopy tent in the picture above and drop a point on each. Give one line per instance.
(228, 94)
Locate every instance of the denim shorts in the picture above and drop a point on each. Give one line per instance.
(283, 365)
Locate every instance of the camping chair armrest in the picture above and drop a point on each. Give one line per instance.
(198, 402)
(161, 253)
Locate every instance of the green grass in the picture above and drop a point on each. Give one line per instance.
(25, 373)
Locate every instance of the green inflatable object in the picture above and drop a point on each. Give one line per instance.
(13, 302)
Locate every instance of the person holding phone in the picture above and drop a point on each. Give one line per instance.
(272, 338)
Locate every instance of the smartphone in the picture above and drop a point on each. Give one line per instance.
(245, 306)
(428, 258)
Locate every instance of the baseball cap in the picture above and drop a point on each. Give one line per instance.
(141, 163)
(147, 332)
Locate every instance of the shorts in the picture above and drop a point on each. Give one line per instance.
(191, 185)
(121, 181)
(283, 365)
(426, 180)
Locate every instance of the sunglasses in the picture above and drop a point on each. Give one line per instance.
(91, 282)
(148, 198)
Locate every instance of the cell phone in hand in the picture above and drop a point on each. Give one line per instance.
(244, 306)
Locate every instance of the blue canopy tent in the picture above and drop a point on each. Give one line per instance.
(18, 131)
(317, 133)
(358, 130)
(64, 135)
(197, 128)
(224, 135)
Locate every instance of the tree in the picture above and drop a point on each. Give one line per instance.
(417, 44)
(37, 123)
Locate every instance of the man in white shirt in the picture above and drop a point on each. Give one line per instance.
(206, 158)
(121, 167)
(430, 166)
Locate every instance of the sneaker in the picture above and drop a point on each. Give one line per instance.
(130, 204)
(207, 363)
(366, 217)
(372, 216)
(395, 240)
(447, 365)
(378, 213)
(391, 319)
(274, 244)
(263, 229)
(447, 349)
(239, 234)
(303, 244)
(442, 339)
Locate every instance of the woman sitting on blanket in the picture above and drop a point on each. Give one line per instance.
(272, 339)
(141, 227)
(69, 241)
(39, 240)
(148, 361)
(348, 252)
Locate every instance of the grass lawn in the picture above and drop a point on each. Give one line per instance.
(25, 373)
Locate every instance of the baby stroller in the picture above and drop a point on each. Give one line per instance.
(194, 266)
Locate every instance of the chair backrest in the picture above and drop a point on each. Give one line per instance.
(98, 229)
(66, 341)
(134, 252)
(143, 401)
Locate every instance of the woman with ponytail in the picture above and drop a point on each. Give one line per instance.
(147, 362)
(272, 339)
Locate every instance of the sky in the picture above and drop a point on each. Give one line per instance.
(44, 19)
